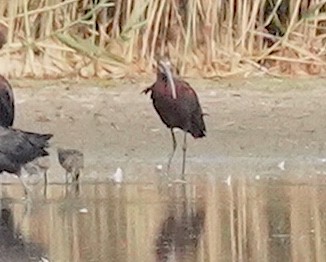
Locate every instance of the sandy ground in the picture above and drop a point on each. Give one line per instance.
(253, 124)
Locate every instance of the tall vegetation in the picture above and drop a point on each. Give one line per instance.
(117, 38)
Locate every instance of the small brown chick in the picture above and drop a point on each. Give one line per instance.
(72, 161)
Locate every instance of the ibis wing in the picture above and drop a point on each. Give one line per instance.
(13, 143)
(198, 128)
(22, 146)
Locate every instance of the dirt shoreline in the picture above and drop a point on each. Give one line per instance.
(249, 120)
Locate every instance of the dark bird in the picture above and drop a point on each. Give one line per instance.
(7, 106)
(18, 147)
(177, 104)
(72, 161)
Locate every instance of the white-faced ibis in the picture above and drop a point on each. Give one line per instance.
(72, 161)
(18, 147)
(177, 104)
(7, 106)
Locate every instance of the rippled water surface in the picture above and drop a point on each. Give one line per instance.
(234, 218)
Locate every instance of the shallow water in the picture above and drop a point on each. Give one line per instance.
(230, 217)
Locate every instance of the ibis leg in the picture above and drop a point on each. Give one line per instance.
(76, 175)
(26, 188)
(45, 178)
(184, 149)
(77, 184)
(174, 145)
(45, 183)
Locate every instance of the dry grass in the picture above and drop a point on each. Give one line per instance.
(210, 38)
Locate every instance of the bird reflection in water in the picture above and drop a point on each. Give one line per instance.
(179, 235)
(12, 246)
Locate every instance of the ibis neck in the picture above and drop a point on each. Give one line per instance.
(169, 83)
(162, 77)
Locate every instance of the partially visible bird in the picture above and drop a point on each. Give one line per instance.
(18, 147)
(3, 34)
(7, 106)
(37, 166)
(7, 115)
(177, 105)
(72, 161)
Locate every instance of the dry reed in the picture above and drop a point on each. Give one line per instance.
(113, 39)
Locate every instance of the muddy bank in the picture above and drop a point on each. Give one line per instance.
(250, 121)
(253, 182)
